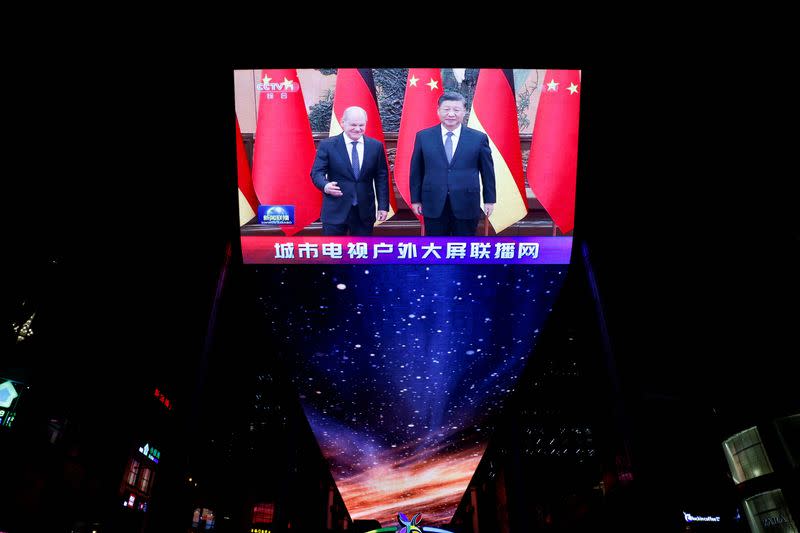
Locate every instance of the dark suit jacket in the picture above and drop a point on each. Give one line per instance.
(333, 164)
(432, 178)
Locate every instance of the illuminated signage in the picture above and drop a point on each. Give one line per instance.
(691, 518)
(150, 452)
(409, 526)
(130, 503)
(7, 394)
(263, 512)
(259, 530)
(9, 400)
(163, 399)
(774, 520)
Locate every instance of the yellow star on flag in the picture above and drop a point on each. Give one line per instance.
(413, 81)
(572, 88)
(552, 86)
(433, 84)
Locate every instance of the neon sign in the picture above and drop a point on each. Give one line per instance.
(9, 400)
(163, 399)
(150, 452)
(409, 526)
(691, 518)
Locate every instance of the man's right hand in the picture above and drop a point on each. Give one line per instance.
(417, 208)
(333, 189)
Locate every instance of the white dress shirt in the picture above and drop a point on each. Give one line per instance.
(456, 136)
(359, 148)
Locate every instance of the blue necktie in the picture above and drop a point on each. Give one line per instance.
(356, 169)
(448, 146)
(354, 159)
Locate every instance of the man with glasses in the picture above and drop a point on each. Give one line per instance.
(350, 170)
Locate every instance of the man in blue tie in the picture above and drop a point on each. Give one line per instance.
(350, 170)
(449, 163)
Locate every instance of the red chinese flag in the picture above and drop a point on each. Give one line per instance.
(423, 89)
(494, 112)
(284, 149)
(553, 161)
(355, 86)
(248, 202)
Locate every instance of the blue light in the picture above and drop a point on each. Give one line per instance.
(7, 394)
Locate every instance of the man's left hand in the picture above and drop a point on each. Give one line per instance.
(382, 215)
(488, 209)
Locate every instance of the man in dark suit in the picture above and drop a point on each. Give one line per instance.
(445, 165)
(350, 169)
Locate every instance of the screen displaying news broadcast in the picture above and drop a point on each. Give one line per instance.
(403, 372)
(422, 166)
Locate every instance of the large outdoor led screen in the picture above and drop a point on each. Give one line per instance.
(402, 371)
(499, 190)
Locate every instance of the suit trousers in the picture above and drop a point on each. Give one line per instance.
(448, 224)
(354, 225)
